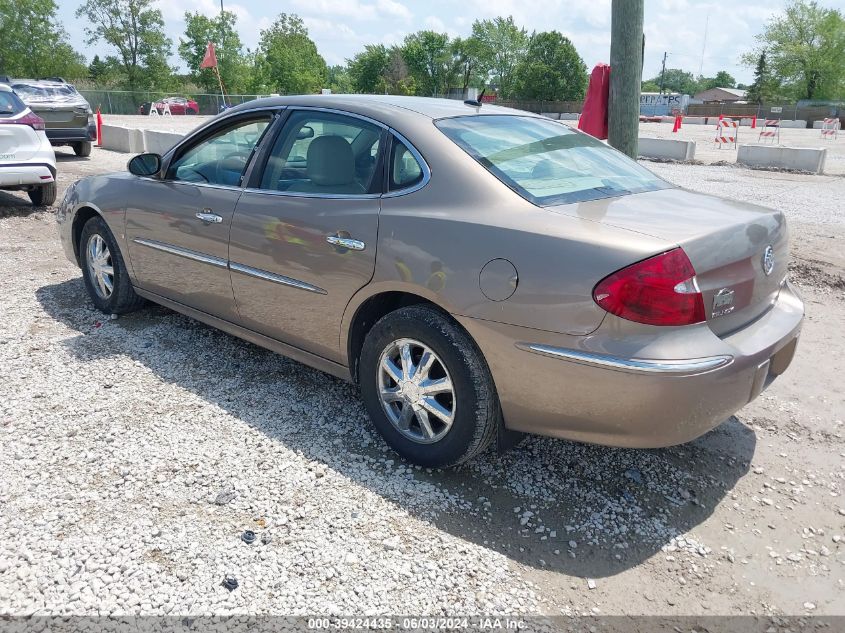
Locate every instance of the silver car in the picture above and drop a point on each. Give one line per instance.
(480, 272)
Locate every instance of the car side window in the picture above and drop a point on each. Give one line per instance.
(220, 159)
(405, 169)
(324, 153)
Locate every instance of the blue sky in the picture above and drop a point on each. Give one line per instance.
(340, 28)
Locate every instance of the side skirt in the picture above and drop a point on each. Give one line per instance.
(299, 355)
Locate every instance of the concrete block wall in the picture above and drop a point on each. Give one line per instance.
(798, 158)
(159, 142)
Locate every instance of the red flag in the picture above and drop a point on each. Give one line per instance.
(210, 59)
(594, 113)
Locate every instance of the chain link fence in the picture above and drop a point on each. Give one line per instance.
(138, 101)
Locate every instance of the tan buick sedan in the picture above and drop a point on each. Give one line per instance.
(477, 271)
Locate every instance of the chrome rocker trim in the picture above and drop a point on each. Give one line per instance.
(183, 252)
(279, 279)
(635, 365)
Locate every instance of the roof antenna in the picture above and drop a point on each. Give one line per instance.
(477, 102)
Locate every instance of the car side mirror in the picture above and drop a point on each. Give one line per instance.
(145, 165)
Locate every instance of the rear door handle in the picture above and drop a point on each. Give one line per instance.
(208, 217)
(346, 242)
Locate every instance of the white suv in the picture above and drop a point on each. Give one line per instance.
(27, 160)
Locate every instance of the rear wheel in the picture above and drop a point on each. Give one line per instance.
(43, 195)
(427, 388)
(104, 270)
(83, 148)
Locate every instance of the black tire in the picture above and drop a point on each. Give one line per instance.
(122, 298)
(477, 415)
(83, 148)
(190, 111)
(43, 195)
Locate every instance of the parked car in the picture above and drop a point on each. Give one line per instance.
(66, 113)
(476, 270)
(27, 160)
(177, 105)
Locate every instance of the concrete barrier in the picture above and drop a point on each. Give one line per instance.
(799, 123)
(569, 116)
(666, 149)
(123, 139)
(798, 158)
(693, 120)
(159, 142)
(551, 115)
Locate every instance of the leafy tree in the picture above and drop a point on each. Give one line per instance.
(805, 48)
(338, 80)
(466, 61)
(676, 80)
(199, 31)
(136, 30)
(33, 44)
(552, 70)
(287, 60)
(759, 90)
(429, 59)
(368, 68)
(650, 85)
(722, 80)
(502, 46)
(397, 79)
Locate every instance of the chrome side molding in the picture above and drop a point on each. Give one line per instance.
(182, 252)
(635, 365)
(279, 279)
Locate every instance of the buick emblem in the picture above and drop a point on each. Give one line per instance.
(768, 260)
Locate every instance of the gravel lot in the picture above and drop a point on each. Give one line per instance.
(137, 451)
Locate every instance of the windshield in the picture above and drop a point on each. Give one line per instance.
(59, 92)
(547, 162)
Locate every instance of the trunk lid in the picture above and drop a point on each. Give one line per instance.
(739, 251)
(18, 143)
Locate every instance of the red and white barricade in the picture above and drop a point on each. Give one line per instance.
(770, 131)
(830, 129)
(727, 132)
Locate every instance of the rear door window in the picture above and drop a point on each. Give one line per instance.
(10, 105)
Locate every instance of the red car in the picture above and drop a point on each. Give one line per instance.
(178, 105)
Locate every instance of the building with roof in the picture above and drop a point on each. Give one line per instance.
(721, 95)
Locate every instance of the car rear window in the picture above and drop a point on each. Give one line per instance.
(547, 162)
(45, 92)
(10, 104)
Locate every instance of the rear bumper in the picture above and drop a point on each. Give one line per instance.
(593, 389)
(26, 174)
(60, 136)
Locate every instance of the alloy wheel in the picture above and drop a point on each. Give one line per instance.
(100, 266)
(416, 391)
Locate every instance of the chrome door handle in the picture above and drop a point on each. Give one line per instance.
(346, 242)
(208, 217)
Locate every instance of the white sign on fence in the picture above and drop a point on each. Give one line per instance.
(777, 109)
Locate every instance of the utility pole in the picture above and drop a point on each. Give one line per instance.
(663, 72)
(626, 73)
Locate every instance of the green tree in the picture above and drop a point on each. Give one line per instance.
(287, 60)
(650, 85)
(220, 29)
(466, 60)
(338, 80)
(136, 30)
(368, 68)
(34, 44)
(677, 80)
(760, 89)
(723, 79)
(430, 62)
(552, 70)
(502, 46)
(805, 48)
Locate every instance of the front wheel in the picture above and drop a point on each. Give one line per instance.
(104, 270)
(427, 388)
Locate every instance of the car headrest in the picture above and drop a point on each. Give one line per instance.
(330, 161)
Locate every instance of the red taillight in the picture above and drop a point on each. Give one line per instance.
(32, 120)
(660, 290)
